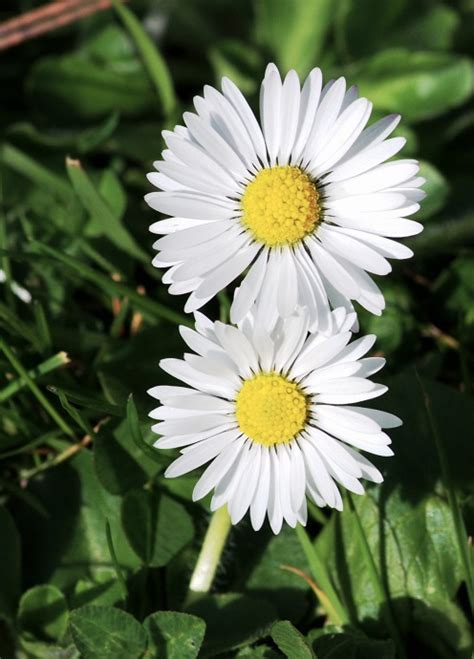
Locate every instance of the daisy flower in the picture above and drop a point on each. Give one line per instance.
(305, 204)
(273, 414)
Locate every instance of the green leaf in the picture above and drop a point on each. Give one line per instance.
(136, 433)
(436, 188)
(105, 220)
(115, 467)
(76, 87)
(418, 85)
(290, 641)
(10, 564)
(43, 613)
(332, 644)
(409, 527)
(155, 65)
(239, 62)
(101, 632)
(174, 635)
(294, 30)
(263, 558)
(71, 543)
(157, 527)
(233, 620)
(35, 172)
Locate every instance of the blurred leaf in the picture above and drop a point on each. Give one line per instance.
(105, 590)
(174, 635)
(418, 85)
(104, 219)
(83, 140)
(397, 322)
(35, 171)
(356, 34)
(442, 626)
(43, 613)
(155, 65)
(436, 188)
(455, 285)
(233, 620)
(75, 87)
(290, 641)
(101, 632)
(156, 526)
(239, 62)
(433, 29)
(10, 564)
(294, 31)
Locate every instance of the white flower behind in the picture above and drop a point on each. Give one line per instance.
(272, 412)
(304, 205)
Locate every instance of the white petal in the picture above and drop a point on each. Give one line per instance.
(308, 106)
(270, 110)
(244, 492)
(200, 454)
(288, 284)
(217, 469)
(259, 504)
(249, 289)
(365, 160)
(332, 269)
(191, 204)
(354, 251)
(290, 106)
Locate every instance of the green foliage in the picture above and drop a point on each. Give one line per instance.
(96, 546)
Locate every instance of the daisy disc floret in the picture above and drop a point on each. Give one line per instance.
(306, 204)
(271, 411)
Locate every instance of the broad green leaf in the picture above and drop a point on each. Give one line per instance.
(174, 635)
(443, 627)
(103, 591)
(76, 87)
(345, 644)
(436, 188)
(290, 641)
(433, 29)
(10, 564)
(71, 544)
(418, 85)
(155, 64)
(116, 469)
(43, 613)
(267, 560)
(157, 527)
(101, 632)
(408, 526)
(294, 31)
(104, 220)
(233, 620)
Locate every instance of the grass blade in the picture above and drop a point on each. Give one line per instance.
(56, 361)
(334, 608)
(98, 209)
(152, 59)
(37, 393)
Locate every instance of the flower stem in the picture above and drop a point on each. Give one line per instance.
(458, 520)
(210, 554)
(334, 608)
(377, 582)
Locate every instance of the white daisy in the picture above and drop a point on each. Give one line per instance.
(272, 412)
(306, 202)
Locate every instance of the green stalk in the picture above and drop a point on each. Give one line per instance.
(23, 373)
(460, 529)
(210, 554)
(379, 586)
(335, 610)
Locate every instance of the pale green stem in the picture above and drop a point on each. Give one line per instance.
(210, 554)
(47, 366)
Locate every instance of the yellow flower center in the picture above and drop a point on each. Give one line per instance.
(280, 206)
(271, 409)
